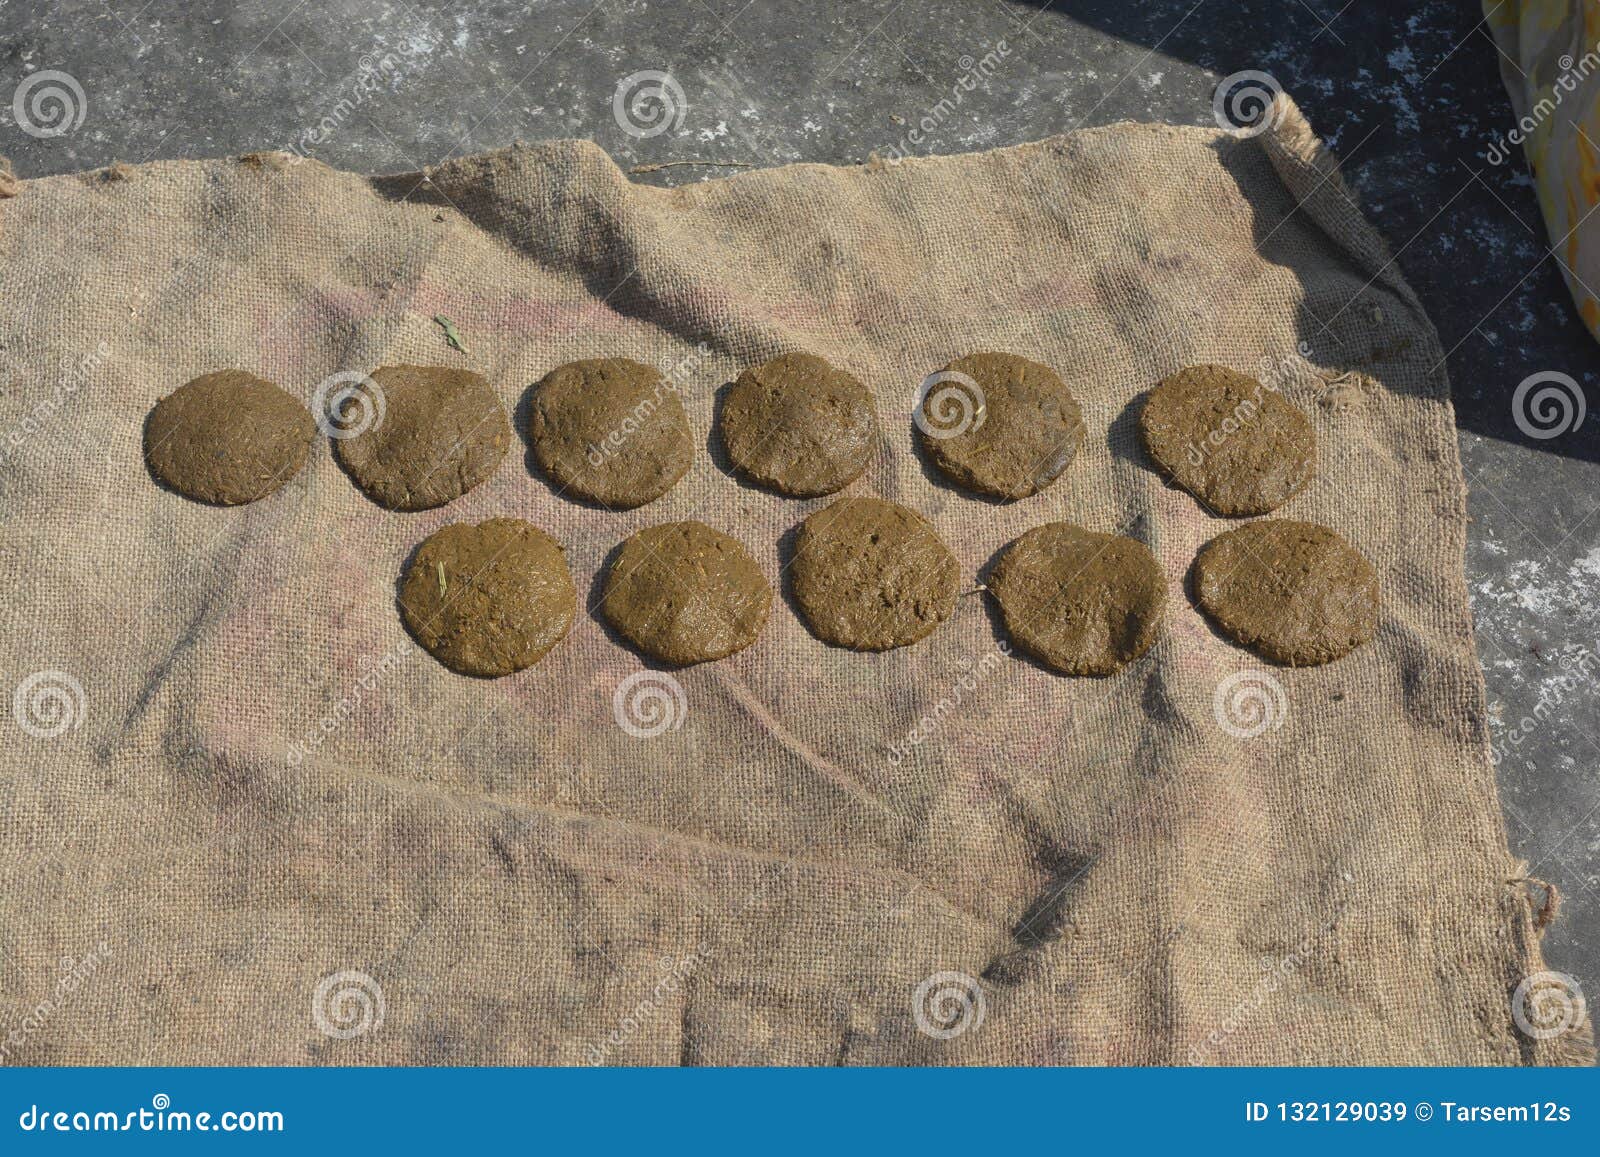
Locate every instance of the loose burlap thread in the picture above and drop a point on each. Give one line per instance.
(270, 830)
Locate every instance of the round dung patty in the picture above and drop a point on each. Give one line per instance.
(871, 575)
(610, 430)
(1232, 442)
(684, 593)
(424, 436)
(1082, 602)
(488, 599)
(1294, 592)
(999, 424)
(227, 438)
(799, 426)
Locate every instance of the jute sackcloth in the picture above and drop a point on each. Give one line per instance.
(270, 830)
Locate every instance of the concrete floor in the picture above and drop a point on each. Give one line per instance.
(1411, 100)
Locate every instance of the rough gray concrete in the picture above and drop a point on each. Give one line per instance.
(1408, 94)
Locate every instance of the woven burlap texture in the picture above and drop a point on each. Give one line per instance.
(267, 807)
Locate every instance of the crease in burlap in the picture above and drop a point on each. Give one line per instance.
(266, 798)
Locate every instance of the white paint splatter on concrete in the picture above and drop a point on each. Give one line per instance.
(1405, 63)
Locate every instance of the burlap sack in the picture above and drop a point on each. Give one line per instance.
(271, 831)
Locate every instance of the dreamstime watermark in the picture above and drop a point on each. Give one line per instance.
(947, 1004)
(649, 103)
(49, 103)
(649, 703)
(673, 376)
(1249, 703)
(676, 971)
(160, 1117)
(348, 404)
(1243, 415)
(1245, 104)
(48, 704)
(960, 692)
(1548, 1004)
(373, 673)
(1576, 669)
(1293, 366)
(973, 73)
(673, 973)
(72, 976)
(1548, 404)
(374, 75)
(1276, 971)
(949, 404)
(75, 374)
(347, 1004)
(1297, 370)
(1573, 73)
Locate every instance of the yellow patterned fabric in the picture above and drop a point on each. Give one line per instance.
(1550, 61)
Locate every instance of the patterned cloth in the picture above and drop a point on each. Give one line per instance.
(1550, 61)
